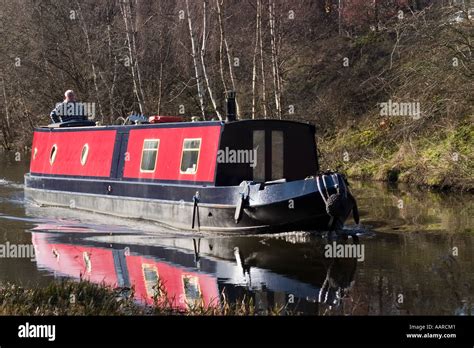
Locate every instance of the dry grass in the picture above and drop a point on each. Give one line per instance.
(67, 297)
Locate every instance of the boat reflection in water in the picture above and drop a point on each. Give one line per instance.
(288, 272)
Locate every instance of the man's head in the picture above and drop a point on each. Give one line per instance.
(69, 96)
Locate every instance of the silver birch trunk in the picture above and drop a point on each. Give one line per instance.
(203, 52)
(195, 62)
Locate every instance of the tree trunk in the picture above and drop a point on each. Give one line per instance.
(254, 65)
(7, 114)
(89, 54)
(160, 89)
(264, 96)
(125, 13)
(221, 56)
(229, 56)
(6, 130)
(195, 62)
(274, 56)
(114, 76)
(137, 66)
(203, 52)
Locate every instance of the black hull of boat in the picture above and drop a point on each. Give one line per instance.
(273, 207)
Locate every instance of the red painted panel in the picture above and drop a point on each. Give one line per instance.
(169, 153)
(69, 260)
(69, 144)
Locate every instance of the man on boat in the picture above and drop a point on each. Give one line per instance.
(69, 109)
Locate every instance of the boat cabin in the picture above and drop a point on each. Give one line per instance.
(211, 153)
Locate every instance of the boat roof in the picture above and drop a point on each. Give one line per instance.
(173, 125)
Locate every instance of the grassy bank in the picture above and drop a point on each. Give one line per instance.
(441, 159)
(67, 297)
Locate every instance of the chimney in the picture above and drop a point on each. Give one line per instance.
(231, 106)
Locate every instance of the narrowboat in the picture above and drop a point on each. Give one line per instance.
(232, 175)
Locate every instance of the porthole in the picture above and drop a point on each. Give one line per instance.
(52, 155)
(84, 154)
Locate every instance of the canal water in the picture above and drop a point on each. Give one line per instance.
(416, 255)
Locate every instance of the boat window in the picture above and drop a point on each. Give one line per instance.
(277, 155)
(150, 275)
(149, 155)
(190, 156)
(192, 291)
(259, 147)
(84, 154)
(53, 153)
